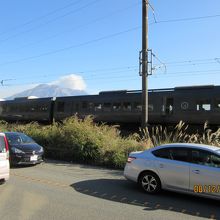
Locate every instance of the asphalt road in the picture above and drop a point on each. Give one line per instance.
(56, 190)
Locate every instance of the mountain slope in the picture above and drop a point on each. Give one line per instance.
(45, 90)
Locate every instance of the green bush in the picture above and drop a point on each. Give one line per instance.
(80, 141)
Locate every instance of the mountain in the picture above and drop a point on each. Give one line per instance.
(45, 90)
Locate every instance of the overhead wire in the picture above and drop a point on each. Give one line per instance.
(186, 19)
(40, 17)
(50, 21)
(71, 46)
(118, 76)
(128, 78)
(81, 25)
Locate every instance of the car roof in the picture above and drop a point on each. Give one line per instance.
(191, 145)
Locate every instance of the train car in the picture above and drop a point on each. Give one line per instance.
(192, 104)
(196, 105)
(25, 109)
(113, 106)
(116, 106)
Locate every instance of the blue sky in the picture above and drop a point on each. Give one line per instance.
(99, 40)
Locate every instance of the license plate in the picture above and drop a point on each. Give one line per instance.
(33, 158)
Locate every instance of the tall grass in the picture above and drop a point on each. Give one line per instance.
(159, 135)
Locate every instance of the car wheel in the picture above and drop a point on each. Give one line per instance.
(150, 182)
(2, 182)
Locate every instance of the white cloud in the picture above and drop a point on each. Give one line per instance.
(71, 81)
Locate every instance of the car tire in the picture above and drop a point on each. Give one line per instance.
(150, 182)
(2, 182)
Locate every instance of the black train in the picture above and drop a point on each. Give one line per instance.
(193, 105)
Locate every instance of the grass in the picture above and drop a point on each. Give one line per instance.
(83, 141)
(180, 134)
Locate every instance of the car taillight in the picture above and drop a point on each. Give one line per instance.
(6, 147)
(130, 159)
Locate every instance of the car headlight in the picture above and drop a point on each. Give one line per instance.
(41, 150)
(16, 150)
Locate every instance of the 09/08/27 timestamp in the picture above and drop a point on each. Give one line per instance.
(206, 188)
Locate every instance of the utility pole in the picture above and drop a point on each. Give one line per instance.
(144, 63)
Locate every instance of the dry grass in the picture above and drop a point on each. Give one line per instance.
(180, 134)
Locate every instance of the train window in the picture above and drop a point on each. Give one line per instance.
(90, 106)
(169, 106)
(107, 106)
(84, 105)
(77, 107)
(126, 106)
(4, 109)
(8, 109)
(206, 107)
(116, 106)
(43, 108)
(137, 106)
(21, 108)
(203, 106)
(150, 107)
(98, 107)
(217, 104)
(60, 106)
(27, 108)
(14, 108)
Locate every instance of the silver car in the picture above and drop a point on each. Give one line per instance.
(187, 168)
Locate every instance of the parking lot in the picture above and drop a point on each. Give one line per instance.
(57, 190)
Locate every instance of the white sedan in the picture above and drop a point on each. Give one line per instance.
(187, 168)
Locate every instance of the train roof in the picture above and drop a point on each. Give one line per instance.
(195, 87)
(121, 92)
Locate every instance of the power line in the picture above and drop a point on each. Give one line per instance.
(185, 19)
(80, 26)
(70, 47)
(188, 74)
(41, 17)
(191, 61)
(77, 73)
(50, 21)
(107, 77)
(113, 70)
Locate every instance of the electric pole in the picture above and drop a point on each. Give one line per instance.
(144, 63)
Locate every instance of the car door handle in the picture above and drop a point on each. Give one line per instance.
(196, 171)
(161, 165)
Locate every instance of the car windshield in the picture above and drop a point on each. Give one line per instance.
(218, 151)
(17, 138)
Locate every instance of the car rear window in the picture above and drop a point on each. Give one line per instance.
(172, 153)
(2, 145)
(162, 153)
